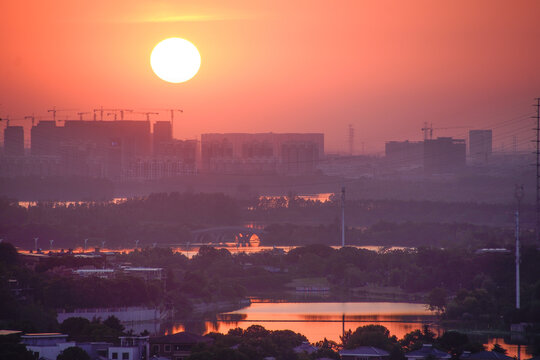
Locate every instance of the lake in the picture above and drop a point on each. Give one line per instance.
(319, 320)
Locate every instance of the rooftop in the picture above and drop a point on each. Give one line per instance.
(489, 355)
(427, 350)
(364, 351)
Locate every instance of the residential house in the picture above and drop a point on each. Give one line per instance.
(427, 351)
(364, 353)
(176, 346)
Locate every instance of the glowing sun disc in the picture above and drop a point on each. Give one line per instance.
(175, 60)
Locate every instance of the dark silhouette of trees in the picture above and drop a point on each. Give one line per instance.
(73, 353)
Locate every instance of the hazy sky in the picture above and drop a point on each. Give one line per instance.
(282, 66)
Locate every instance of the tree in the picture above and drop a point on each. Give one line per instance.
(499, 349)
(73, 353)
(113, 322)
(437, 299)
(371, 335)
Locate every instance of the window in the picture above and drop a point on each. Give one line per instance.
(167, 348)
(155, 349)
(125, 356)
(114, 356)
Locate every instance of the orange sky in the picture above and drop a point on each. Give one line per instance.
(282, 66)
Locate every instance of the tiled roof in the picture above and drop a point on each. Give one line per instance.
(365, 351)
(427, 350)
(305, 347)
(489, 355)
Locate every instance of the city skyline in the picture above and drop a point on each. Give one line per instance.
(384, 67)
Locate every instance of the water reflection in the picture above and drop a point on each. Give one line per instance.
(319, 320)
(322, 320)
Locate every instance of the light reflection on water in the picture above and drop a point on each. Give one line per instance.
(323, 320)
(189, 250)
(319, 320)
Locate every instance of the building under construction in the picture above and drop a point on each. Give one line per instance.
(119, 150)
(442, 155)
(264, 153)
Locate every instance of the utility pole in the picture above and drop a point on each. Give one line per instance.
(537, 170)
(519, 195)
(351, 140)
(343, 216)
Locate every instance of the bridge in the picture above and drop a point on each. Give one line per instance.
(225, 234)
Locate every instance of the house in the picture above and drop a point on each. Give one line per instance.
(176, 346)
(426, 351)
(364, 353)
(46, 346)
(305, 347)
(489, 355)
(131, 348)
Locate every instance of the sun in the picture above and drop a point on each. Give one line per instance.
(175, 60)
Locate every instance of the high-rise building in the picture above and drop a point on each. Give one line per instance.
(265, 153)
(45, 138)
(444, 155)
(404, 153)
(162, 135)
(14, 141)
(480, 145)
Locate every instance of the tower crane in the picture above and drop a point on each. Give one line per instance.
(81, 114)
(54, 110)
(172, 111)
(148, 113)
(31, 117)
(101, 110)
(428, 130)
(113, 113)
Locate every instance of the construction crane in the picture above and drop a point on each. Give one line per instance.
(31, 117)
(81, 115)
(148, 113)
(428, 130)
(54, 110)
(113, 113)
(101, 110)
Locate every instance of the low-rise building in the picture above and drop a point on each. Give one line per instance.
(488, 355)
(427, 351)
(46, 346)
(176, 346)
(305, 347)
(131, 348)
(364, 353)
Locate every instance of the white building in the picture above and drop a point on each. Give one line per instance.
(46, 346)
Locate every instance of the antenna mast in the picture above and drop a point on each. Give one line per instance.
(343, 216)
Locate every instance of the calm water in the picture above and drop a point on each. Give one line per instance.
(319, 320)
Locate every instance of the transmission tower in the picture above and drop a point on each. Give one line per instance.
(537, 117)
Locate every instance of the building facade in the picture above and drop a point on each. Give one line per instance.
(264, 153)
(480, 146)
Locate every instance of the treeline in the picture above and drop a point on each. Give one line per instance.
(168, 219)
(57, 188)
(462, 284)
(157, 218)
(474, 286)
(258, 343)
(367, 212)
(406, 234)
